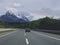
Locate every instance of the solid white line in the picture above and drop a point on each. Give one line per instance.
(50, 37)
(25, 34)
(6, 34)
(27, 42)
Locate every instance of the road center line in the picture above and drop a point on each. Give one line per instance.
(27, 42)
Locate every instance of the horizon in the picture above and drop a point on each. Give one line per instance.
(27, 15)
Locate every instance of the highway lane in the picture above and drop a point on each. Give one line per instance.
(16, 38)
(19, 37)
(39, 38)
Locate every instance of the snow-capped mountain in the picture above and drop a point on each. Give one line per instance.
(11, 17)
(25, 16)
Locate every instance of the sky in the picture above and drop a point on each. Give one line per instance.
(36, 8)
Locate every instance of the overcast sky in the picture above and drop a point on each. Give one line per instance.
(36, 8)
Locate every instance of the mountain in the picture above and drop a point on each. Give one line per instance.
(23, 15)
(10, 17)
(26, 16)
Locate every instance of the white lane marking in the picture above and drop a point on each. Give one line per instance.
(50, 37)
(25, 34)
(27, 42)
(6, 34)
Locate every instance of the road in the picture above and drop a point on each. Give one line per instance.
(19, 37)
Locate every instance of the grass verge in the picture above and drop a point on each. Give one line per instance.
(6, 31)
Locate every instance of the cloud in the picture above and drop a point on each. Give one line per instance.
(14, 7)
(17, 5)
(36, 16)
(39, 8)
(14, 10)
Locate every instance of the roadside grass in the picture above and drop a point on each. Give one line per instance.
(6, 31)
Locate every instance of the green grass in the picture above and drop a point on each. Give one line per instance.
(3, 32)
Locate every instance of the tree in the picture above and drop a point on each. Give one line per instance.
(2, 23)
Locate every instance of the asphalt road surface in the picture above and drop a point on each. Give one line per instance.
(20, 37)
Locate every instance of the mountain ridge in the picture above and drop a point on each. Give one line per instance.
(11, 17)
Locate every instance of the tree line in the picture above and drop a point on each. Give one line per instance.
(43, 23)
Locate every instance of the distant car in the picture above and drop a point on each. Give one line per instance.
(27, 30)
